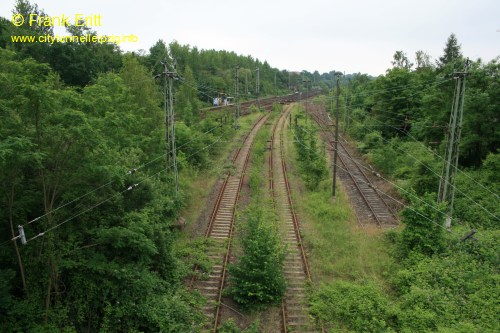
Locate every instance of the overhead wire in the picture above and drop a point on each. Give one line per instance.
(129, 188)
(133, 170)
(192, 84)
(415, 140)
(409, 86)
(430, 169)
(391, 99)
(395, 185)
(104, 185)
(440, 157)
(389, 196)
(439, 176)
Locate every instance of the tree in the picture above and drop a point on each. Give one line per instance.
(80, 62)
(257, 280)
(187, 103)
(481, 132)
(401, 60)
(157, 53)
(25, 8)
(422, 60)
(452, 52)
(104, 261)
(76, 62)
(394, 100)
(144, 91)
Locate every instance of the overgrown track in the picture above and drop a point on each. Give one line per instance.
(370, 206)
(220, 229)
(294, 306)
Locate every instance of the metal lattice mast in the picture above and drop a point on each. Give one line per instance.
(166, 119)
(257, 86)
(337, 113)
(172, 131)
(237, 95)
(447, 182)
(170, 145)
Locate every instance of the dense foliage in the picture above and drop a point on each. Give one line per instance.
(401, 122)
(362, 308)
(104, 260)
(312, 160)
(455, 291)
(443, 283)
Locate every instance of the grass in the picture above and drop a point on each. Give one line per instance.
(337, 247)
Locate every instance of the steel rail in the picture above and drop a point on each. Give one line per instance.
(232, 222)
(324, 125)
(368, 181)
(224, 212)
(291, 210)
(230, 238)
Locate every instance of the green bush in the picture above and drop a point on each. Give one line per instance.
(457, 289)
(424, 231)
(257, 280)
(352, 306)
(312, 161)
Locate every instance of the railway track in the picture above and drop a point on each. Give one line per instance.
(370, 206)
(220, 229)
(294, 312)
(266, 103)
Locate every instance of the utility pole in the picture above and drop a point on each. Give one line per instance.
(345, 102)
(172, 132)
(300, 92)
(257, 86)
(167, 121)
(246, 83)
(336, 139)
(275, 88)
(447, 182)
(237, 95)
(171, 153)
(346, 124)
(306, 82)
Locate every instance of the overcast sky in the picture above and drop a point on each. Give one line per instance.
(351, 36)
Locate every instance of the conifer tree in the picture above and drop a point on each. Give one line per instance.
(257, 280)
(452, 52)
